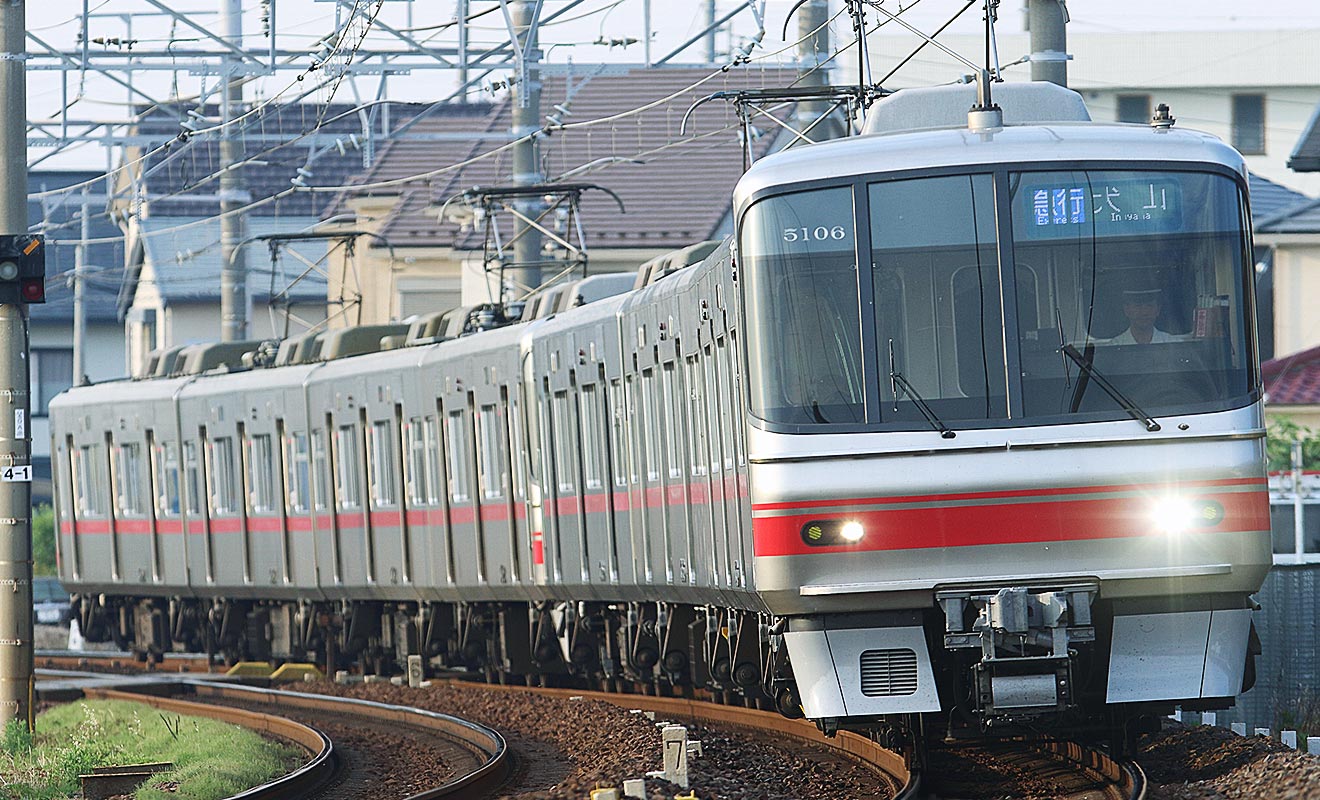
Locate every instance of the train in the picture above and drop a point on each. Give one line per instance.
(960, 432)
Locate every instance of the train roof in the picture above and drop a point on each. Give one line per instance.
(952, 147)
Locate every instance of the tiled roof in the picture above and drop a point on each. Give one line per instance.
(1268, 198)
(59, 218)
(178, 180)
(1293, 380)
(677, 195)
(1306, 155)
(186, 255)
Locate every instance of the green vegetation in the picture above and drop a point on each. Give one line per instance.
(43, 540)
(1282, 432)
(212, 759)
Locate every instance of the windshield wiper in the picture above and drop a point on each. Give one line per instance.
(1123, 400)
(897, 380)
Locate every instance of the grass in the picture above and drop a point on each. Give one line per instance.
(212, 759)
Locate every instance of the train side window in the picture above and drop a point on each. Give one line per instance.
(167, 479)
(619, 433)
(650, 426)
(86, 459)
(565, 441)
(221, 462)
(192, 479)
(456, 458)
(346, 477)
(673, 419)
(591, 437)
(696, 413)
(382, 464)
(299, 466)
(320, 468)
(490, 453)
(128, 479)
(261, 479)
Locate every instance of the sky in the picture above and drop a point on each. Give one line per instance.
(303, 22)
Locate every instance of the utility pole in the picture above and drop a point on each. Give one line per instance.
(709, 22)
(233, 189)
(526, 271)
(80, 310)
(1049, 41)
(16, 668)
(812, 51)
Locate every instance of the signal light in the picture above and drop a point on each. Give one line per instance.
(22, 269)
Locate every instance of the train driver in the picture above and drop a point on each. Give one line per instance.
(1141, 307)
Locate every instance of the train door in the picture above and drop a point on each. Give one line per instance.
(621, 541)
(91, 519)
(468, 569)
(296, 479)
(326, 503)
(570, 535)
(637, 519)
(719, 497)
(738, 431)
(385, 543)
(597, 501)
(197, 522)
(515, 431)
(495, 518)
(266, 523)
(229, 566)
(728, 475)
(67, 555)
(350, 515)
(425, 515)
(699, 511)
(130, 524)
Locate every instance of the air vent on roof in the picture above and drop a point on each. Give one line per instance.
(198, 358)
(888, 673)
(345, 342)
(671, 262)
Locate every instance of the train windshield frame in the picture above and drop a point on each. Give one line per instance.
(1006, 295)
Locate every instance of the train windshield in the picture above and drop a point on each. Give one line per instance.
(1005, 297)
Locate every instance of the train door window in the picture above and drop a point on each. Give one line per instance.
(192, 484)
(673, 421)
(724, 414)
(261, 476)
(591, 437)
(167, 479)
(382, 464)
(347, 488)
(696, 415)
(128, 479)
(456, 457)
(417, 478)
(650, 426)
(221, 463)
(735, 399)
(431, 435)
(565, 442)
(86, 460)
(712, 408)
(299, 466)
(618, 434)
(320, 468)
(941, 335)
(490, 453)
(630, 415)
(517, 449)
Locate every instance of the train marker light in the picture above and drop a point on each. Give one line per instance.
(852, 531)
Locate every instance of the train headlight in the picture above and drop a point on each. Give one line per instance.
(1175, 515)
(832, 532)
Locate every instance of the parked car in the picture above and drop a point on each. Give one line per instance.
(50, 602)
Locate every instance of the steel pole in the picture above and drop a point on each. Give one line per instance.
(233, 191)
(526, 271)
(1049, 41)
(813, 49)
(709, 21)
(16, 668)
(79, 309)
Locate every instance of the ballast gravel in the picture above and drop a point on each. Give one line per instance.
(567, 748)
(1208, 763)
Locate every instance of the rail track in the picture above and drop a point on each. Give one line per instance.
(1069, 770)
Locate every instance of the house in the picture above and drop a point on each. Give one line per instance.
(169, 202)
(59, 219)
(676, 190)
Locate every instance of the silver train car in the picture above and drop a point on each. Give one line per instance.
(960, 432)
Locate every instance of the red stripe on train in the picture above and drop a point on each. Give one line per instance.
(1008, 523)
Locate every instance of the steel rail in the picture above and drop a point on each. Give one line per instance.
(485, 744)
(1123, 774)
(302, 781)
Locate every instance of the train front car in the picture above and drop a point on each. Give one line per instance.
(1008, 473)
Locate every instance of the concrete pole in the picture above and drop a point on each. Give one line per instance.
(462, 44)
(1049, 41)
(16, 668)
(526, 155)
(812, 50)
(233, 190)
(709, 22)
(79, 309)
(1299, 533)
